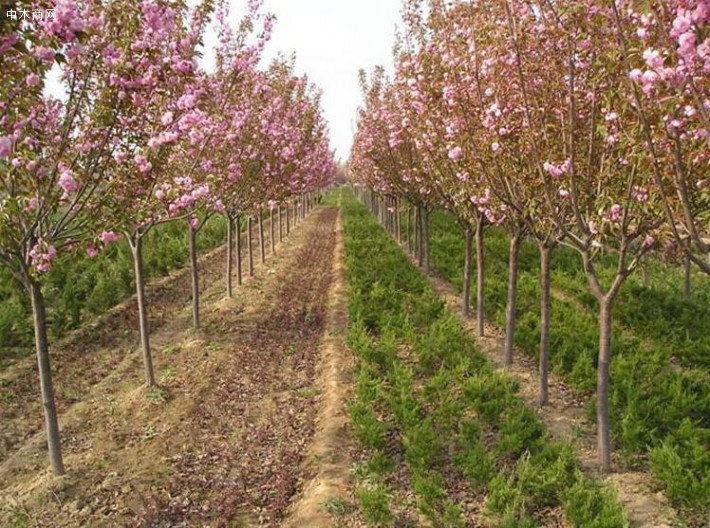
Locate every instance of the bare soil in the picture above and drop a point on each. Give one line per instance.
(222, 441)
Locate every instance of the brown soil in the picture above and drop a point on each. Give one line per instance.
(221, 441)
(326, 467)
(565, 417)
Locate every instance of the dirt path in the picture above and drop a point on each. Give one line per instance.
(564, 416)
(326, 468)
(221, 441)
(85, 356)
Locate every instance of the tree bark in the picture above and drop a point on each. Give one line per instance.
(239, 250)
(194, 273)
(545, 313)
(480, 271)
(137, 250)
(467, 272)
(603, 434)
(250, 225)
(398, 221)
(230, 256)
(512, 298)
(686, 282)
(262, 242)
(420, 238)
(39, 315)
(288, 222)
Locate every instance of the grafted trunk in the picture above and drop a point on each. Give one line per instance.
(239, 250)
(545, 314)
(51, 423)
(467, 272)
(230, 256)
(480, 276)
(136, 244)
(512, 298)
(194, 273)
(262, 242)
(250, 245)
(603, 433)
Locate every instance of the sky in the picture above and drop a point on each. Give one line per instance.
(333, 40)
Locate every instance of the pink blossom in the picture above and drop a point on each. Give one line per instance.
(32, 80)
(167, 118)
(653, 58)
(649, 241)
(91, 251)
(455, 153)
(635, 75)
(495, 147)
(615, 213)
(5, 146)
(194, 222)
(67, 182)
(107, 237)
(564, 193)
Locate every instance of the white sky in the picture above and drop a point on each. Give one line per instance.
(332, 40)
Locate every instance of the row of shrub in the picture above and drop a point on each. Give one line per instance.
(81, 288)
(660, 413)
(426, 398)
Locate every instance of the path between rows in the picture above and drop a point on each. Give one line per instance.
(224, 439)
(564, 416)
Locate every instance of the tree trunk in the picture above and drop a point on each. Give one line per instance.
(262, 242)
(645, 279)
(137, 250)
(230, 255)
(250, 225)
(288, 222)
(420, 238)
(512, 298)
(398, 221)
(686, 284)
(51, 423)
(425, 240)
(545, 313)
(281, 229)
(467, 272)
(239, 250)
(479, 277)
(272, 231)
(603, 435)
(192, 235)
(409, 229)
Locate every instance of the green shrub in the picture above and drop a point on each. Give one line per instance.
(587, 505)
(520, 431)
(374, 505)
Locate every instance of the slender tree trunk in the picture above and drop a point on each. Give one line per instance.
(480, 271)
(686, 284)
(409, 229)
(645, 279)
(398, 221)
(281, 229)
(425, 240)
(288, 222)
(230, 255)
(272, 232)
(603, 434)
(137, 250)
(420, 237)
(250, 225)
(262, 242)
(545, 313)
(239, 250)
(51, 423)
(467, 271)
(192, 235)
(512, 298)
